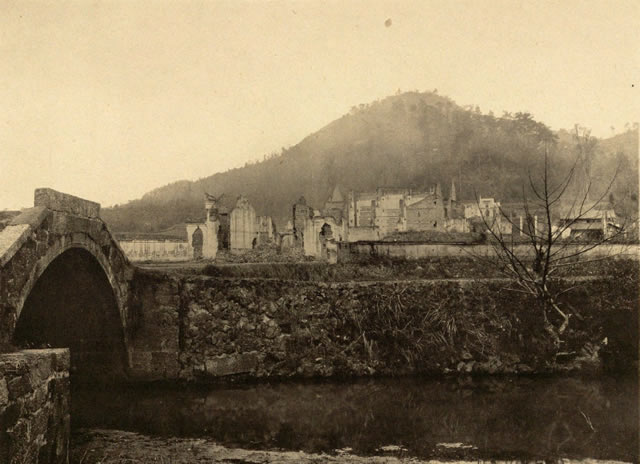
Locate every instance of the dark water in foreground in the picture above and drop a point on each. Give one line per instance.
(490, 417)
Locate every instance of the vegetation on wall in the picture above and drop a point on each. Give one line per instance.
(307, 328)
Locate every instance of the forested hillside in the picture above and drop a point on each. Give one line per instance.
(407, 140)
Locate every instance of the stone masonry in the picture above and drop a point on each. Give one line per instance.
(195, 327)
(34, 407)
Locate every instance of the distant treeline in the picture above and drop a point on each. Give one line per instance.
(408, 140)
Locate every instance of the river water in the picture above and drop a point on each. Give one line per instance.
(489, 417)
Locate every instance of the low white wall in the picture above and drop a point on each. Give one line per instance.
(424, 250)
(156, 250)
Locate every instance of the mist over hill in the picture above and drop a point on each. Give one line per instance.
(406, 140)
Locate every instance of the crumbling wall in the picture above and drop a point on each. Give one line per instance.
(301, 214)
(243, 226)
(209, 246)
(264, 229)
(321, 234)
(34, 407)
(427, 214)
(356, 234)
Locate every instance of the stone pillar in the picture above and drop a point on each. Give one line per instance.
(520, 225)
(210, 245)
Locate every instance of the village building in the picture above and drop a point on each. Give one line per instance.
(485, 213)
(454, 213)
(372, 216)
(588, 221)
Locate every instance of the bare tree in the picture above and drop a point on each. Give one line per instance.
(558, 226)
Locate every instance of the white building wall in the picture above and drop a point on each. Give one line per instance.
(209, 238)
(243, 226)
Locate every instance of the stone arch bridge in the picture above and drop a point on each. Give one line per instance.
(64, 281)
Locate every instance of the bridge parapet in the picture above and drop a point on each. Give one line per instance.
(58, 201)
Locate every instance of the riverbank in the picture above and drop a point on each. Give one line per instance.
(492, 417)
(118, 447)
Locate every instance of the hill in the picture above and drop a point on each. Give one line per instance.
(407, 140)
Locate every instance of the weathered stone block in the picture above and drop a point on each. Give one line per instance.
(13, 365)
(62, 440)
(165, 363)
(10, 415)
(34, 408)
(41, 370)
(4, 393)
(39, 422)
(11, 239)
(61, 360)
(141, 360)
(232, 364)
(59, 201)
(19, 386)
(20, 435)
(39, 398)
(32, 216)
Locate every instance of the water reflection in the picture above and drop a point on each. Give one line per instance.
(501, 417)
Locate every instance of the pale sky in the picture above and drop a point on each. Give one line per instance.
(110, 99)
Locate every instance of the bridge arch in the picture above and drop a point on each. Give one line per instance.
(73, 305)
(52, 252)
(79, 242)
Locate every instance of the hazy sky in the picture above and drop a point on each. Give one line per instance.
(109, 99)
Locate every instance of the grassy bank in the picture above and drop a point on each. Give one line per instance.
(386, 269)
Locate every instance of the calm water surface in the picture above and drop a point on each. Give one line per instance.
(488, 417)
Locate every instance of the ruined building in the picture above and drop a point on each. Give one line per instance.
(243, 225)
(374, 215)
(239, 230)
(203, 237)
(301, 213)
(370, 216)
(247, 230)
